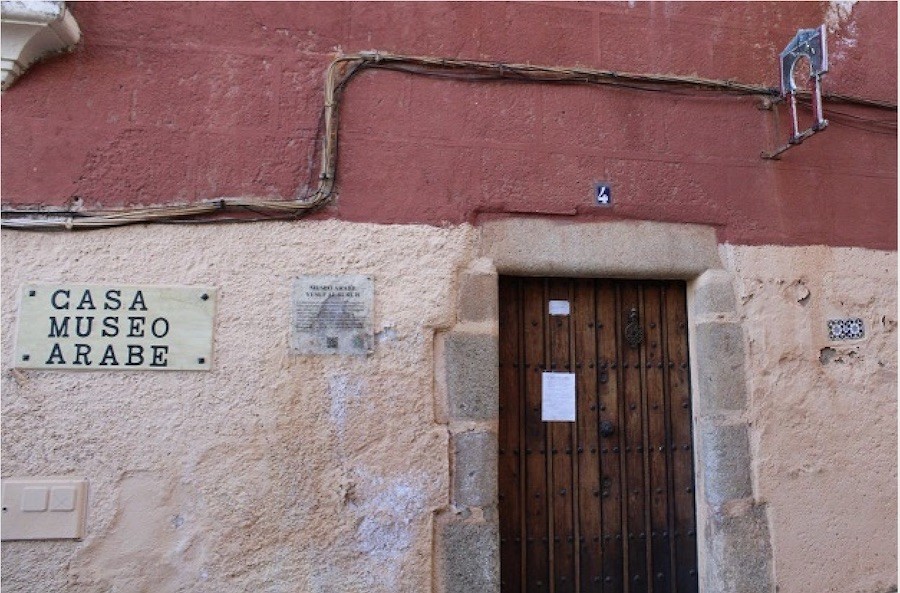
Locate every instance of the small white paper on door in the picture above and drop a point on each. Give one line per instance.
(558, 397)
(559, 307)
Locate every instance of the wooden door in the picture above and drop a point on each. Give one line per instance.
(604, 503)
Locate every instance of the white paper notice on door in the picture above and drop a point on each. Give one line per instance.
(558, 397)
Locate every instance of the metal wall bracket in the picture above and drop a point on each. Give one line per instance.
(809, 44)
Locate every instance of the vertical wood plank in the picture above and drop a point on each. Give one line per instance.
(573, 444)
(509, 446)
(537, 562)
(584, 322)
(657, 425)
(681, 443)
(634, 456)
(610, 453)
(561, 454)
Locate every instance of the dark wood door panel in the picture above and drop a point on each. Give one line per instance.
(605, 503)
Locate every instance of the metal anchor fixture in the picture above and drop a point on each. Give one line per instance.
(809, 44)
(607, 428)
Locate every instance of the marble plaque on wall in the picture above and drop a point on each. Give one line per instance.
(102, 327)
(333, 315)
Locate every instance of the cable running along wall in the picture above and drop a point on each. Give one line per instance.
(339, 73)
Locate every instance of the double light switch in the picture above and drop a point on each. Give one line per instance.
(43, 508)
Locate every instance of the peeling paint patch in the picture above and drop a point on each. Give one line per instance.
(138, 547)
(45, 8)
(802, 293)
(344, 390)
(387, 515)
(838, 12)
(388, 334)
(388, 510)
(841, 27)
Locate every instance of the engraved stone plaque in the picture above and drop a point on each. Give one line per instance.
(333, 315)
(99, 327)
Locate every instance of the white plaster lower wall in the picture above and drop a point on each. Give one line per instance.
(823, 414)
(273, 472)
(276, 472)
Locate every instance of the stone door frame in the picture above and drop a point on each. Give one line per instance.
(733, 543)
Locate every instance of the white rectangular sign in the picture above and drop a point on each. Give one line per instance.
(558, 397)
(115, 327)
(559, 307)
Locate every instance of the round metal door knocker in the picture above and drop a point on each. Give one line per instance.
(634, 333)
(607, 428)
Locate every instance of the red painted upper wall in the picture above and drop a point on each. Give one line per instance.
(178, 102)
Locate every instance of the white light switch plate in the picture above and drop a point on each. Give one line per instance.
(43, 508)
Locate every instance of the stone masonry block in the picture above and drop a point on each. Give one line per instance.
(469, 557)
(726, 463)
(475, 469)
(472, 377)
(714, 293)
(721, 382)
(478, 296)
(540, 246)
(740, 553)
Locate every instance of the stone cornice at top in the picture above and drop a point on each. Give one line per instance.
(31, 31)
